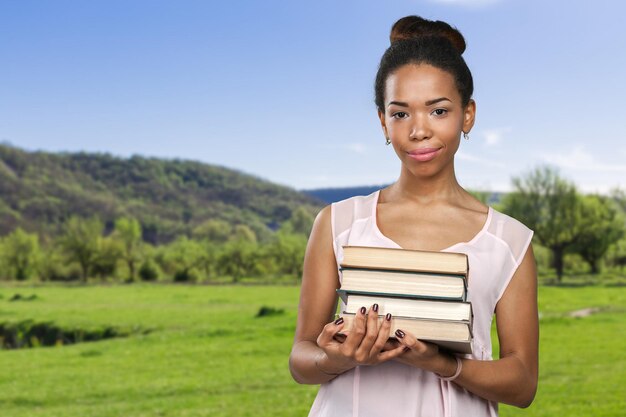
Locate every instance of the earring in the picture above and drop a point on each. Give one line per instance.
(466, 135)
(387, 141)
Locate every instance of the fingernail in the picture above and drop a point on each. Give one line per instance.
(375, 308)
(363, 310)
(388, 316)
(406, 348)
(400, 333)
(339, 320)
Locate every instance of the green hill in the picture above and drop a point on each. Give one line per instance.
(40, 190)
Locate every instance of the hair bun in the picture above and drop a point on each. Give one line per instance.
(411, 27)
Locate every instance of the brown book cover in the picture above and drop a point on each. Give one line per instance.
(405, 260)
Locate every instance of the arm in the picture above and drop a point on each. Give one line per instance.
(512, 379)
(318, 300)
(316, 357)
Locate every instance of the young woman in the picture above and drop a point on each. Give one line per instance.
(423, 94)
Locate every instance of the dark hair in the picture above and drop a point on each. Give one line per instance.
(415, 40)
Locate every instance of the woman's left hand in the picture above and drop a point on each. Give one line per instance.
(417, 353)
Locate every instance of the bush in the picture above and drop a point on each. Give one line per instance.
(265, 311)
(149, 271)
(185, 275)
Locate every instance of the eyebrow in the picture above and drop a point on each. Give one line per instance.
(428, 103)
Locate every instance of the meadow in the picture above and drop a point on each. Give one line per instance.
(202, 351)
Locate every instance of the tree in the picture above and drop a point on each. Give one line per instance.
(617, 254)
(239, 255)
(618, 195)
(184, 255)
(244, 233)
(301, 221)
(128, 233)
(210, 257)
(81, 241)
(213, 230)
(109, 253)
(288, 250)
(550, 206)
(601, 225)
(21, 254)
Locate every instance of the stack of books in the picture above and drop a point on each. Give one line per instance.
(425, 292)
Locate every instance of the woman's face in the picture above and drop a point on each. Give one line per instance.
(424, 118)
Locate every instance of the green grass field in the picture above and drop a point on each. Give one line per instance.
(208, 355)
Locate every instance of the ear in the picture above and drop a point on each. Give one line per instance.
(469, 116)
(381, 116)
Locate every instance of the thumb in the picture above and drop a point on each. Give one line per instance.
(328, 332)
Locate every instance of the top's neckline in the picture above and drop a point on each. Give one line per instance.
(377, 230)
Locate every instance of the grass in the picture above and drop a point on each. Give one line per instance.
(209, 355)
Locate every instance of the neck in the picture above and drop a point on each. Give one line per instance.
(443, 186)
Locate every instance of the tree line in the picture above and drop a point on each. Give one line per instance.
(215, 249)
(566, 223)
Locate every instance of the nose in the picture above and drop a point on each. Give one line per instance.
(420, 129)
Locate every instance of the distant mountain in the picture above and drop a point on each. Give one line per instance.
(331, 195)
(40, 190)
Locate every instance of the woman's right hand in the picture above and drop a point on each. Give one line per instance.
(364, 344)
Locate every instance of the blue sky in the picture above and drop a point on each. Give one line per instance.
(284, 89)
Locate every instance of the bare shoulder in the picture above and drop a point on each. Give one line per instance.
(322, 228)
(320, 254)
(470, 212)
(471, 203)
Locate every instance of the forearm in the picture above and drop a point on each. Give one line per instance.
(308, 364)
(505, 380)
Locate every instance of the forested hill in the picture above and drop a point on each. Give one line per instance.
(41, 190)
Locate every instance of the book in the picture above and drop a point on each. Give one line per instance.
(408, 307)
(455, 336)
(404, 283)
(425, 292)
(366, 257)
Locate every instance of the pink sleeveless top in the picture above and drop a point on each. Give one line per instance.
(398, 390)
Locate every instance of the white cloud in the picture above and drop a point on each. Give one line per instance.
(352, 147)
(467, 3)
(580, 159)
(494, 136)
(471, 158)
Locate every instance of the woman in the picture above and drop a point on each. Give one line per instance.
(423, 94)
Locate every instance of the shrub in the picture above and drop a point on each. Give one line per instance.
(149, 271)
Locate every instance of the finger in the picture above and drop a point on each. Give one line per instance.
(340, 337)
(406, 339)
(411, 342)
(371, 332)
(383, 335)
(329, 331)
(390, 354)
(391, 344)
(357, 331)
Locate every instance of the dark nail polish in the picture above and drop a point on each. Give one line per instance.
(375, 308)
(406, 349)
(388, 316)
(400, 333)
(363, 310)
(339, 320)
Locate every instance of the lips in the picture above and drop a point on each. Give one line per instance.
(423, 154)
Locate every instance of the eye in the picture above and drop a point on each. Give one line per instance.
(399, 115)
(440, 112)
